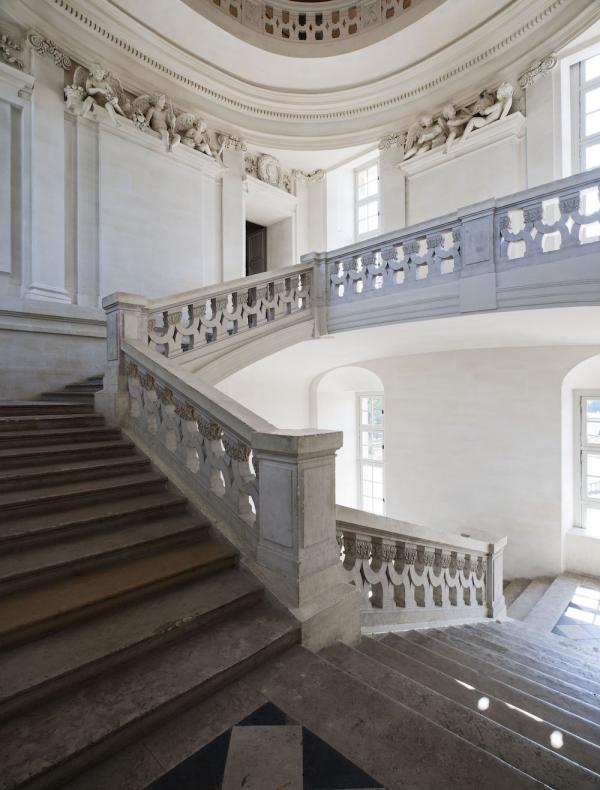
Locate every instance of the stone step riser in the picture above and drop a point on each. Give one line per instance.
(90, 525)
(567, 683)
(48, 423)
(575, 749)
(57, 776)
(40, 455)
(40, 407)
(83, 387)
(516, 680)
(76, 397)
(44, 627)
(499, 741)
(33, 480)
(41, 576)
(548, 710)
(64, 501)
(35, 696)
(515, 663)
(527, 648)
(584, 652)
(9, 442)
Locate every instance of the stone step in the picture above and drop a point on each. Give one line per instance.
(540, 763)
(517, 679)
(531, 665)
(392, 743)
(261, 757)
(497, 685)
(57, 436)
(20, 503)
(530, 596)
(513, 589)
(588, 653)
(51, 664)
(83, 387)
(29, 567)
(20, 407)
(59, 474)
(43, 454)
(52, 743)
(520, 645)
(105, 515)
(44, 422)
(40, 610)
(74, 396)
(533, 728)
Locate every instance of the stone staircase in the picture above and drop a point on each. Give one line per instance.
(119, 605)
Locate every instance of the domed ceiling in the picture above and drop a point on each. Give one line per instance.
(302, 94)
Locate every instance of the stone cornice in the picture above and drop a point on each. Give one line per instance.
(255, 109)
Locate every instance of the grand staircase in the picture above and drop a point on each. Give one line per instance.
(132, 644)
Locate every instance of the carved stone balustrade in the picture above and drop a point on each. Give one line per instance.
(408, 574)
(537, 248)
(191, 322)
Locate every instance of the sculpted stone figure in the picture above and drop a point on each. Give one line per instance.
(484, 115)
(455, 121)
(194, 133)
(97, 88)
(158, 117)
(424, 135)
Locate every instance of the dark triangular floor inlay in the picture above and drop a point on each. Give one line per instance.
(324, 768)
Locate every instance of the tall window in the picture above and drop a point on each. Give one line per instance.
(371, 449)
(366, 190)
(588, 113)
(588, 481)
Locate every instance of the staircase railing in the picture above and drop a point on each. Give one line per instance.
(409, 574)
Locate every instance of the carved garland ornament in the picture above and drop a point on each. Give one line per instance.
(8, 47)
(45, 46)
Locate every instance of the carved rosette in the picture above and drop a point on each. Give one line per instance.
(410, 247)
(445, 559)
(570, 204)
(429, 557)
(384, 551)
(185, 411)
(434, 241)
(45, 46)
(209, 429)
(533, 214)
(410, 554)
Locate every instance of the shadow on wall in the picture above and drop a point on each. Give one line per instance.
(580, 458)
(334, 398)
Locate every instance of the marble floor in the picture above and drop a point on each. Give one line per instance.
(581, 617)
(266, 751)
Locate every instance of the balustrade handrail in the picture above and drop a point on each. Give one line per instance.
(393, 530)
(184, 298)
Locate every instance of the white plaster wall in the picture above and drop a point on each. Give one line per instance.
(280, 244)
(153, 217)
(340, 207)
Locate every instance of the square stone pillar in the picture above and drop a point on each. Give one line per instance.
(297, 549)
(495, 579)
(126, 320)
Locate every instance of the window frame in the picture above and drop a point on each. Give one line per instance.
(360, 461)
(583, 88)
(358, 202)
(581, 451)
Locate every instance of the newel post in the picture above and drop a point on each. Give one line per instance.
(297, 548)
(319, 287)
(495, 579)
(126, 320)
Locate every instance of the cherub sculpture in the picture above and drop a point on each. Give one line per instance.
(424, 135)
(152, 112)
(455, 121)
(97, 88)
(194, 133)
(492, 112)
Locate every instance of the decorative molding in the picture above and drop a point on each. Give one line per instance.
(8, 48)
(264, 112)
(231, 142)
(268, 169)
(536, 70)
(314, 177)
(394, 140)
(45, 46)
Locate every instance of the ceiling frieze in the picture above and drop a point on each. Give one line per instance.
(347, 116)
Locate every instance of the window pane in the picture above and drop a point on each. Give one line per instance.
(592, 421)
(592, 479)
(592, 156)
(372, 445)
(592, 123)
(592, 100)
(592, 68)
(592, 519)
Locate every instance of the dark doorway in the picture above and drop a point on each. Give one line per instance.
(256, 248)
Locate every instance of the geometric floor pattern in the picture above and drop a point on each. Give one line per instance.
(581, 618)
(266, 751)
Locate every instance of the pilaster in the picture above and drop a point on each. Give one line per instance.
(233, 213)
